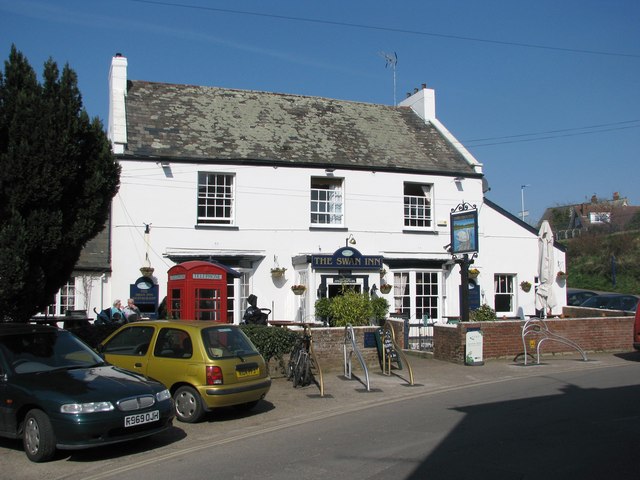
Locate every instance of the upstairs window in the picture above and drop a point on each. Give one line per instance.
(418, 206)
(327, 206)
(215, 199)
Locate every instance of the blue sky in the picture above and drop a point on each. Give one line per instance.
(545, 94)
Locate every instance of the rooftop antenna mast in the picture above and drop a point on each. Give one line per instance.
(391, 60)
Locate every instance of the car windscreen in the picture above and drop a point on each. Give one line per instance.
(33, 352)
(220, 342)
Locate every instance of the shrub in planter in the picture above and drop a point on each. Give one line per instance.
(380, 309)
(483, 314)
(350, 308)
(323, 309)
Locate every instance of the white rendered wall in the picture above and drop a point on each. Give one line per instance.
(272, 219)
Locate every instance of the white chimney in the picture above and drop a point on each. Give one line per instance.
(423, 102)
(117, 127)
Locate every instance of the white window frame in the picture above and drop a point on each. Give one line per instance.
(507, 288)
(418, 207)
(600, 217)
(66, 299)
(326, 205)
(406, 297)
(217, 197)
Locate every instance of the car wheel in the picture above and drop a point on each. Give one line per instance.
(188, 405)
(37, 437)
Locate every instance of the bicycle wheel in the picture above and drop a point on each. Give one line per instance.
(302, 371)
(294, 358)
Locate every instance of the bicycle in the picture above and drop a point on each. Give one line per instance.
(299, 368)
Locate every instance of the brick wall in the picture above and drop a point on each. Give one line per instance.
(501, 339)
(328, 344)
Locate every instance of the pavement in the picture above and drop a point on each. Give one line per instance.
(429, 377)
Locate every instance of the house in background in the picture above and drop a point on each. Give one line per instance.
(337, 193)
(615, 214)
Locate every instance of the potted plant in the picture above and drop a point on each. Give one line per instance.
(525, 286)
(298, 289)
(277, 272)
(561, 276)
(385, 288)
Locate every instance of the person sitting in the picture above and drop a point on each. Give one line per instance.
(117, 315)
(131, 311)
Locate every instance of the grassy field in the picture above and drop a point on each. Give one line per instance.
(591, 259)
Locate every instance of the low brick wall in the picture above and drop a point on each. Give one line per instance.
(503, 338)
(328, 344)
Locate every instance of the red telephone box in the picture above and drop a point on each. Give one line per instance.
(197, 290)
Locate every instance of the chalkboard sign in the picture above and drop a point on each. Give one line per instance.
(387, 342)
(384, 342)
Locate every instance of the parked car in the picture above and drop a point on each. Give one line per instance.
(204, 364)
(56, 392)
(576, 297)
(612, 301)
(636, 331)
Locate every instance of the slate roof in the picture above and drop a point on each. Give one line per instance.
(205, 124)
(95, 255)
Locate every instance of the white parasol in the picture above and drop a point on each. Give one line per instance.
(544, 294)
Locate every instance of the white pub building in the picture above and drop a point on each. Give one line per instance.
(285, 190)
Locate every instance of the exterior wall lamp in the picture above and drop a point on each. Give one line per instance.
(350, 240)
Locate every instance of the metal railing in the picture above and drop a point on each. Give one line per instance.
(537, 326)
(350, 341)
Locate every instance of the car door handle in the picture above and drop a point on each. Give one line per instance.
(137, 365)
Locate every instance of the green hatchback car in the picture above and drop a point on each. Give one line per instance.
(57, 393)
(204, 364)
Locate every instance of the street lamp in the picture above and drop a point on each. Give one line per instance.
(523, 213)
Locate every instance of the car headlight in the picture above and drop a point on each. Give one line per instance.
(91, 407)
(163, 395)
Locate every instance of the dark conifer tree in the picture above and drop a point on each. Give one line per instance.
(57, 178)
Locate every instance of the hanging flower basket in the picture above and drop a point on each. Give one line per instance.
(298, 289)
(146, 271)
(525, 286)
(278, 272)
(561, 276)
(385, 288)
(474, 272)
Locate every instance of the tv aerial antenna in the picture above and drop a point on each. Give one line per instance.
(391, 60)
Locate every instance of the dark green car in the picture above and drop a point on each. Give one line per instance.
(55, 392)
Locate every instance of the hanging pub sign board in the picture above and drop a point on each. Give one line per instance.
(464, 230)
(145, 294)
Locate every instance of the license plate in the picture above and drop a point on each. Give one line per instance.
(248, 373)
(140, 418)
